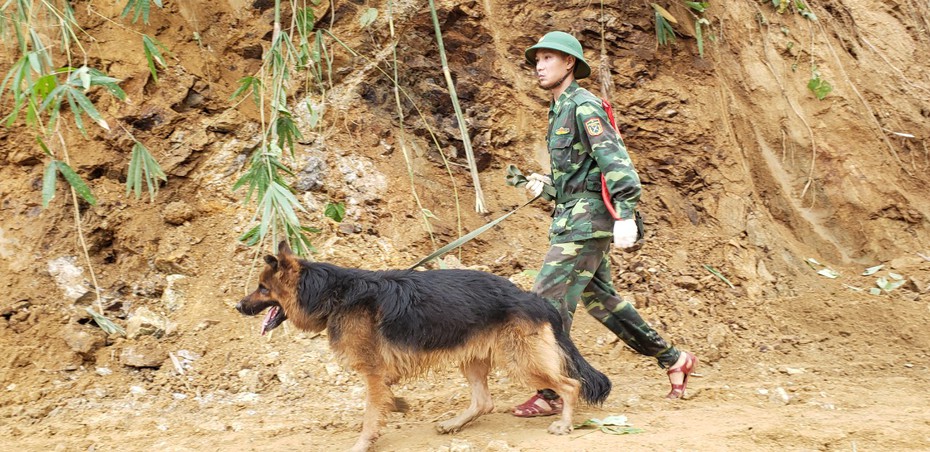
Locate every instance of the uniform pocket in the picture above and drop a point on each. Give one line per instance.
(563, 155)
(593, 183)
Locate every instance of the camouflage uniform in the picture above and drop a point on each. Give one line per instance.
(582, 144)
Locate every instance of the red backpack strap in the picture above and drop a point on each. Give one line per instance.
(605, 104)
(605, 194)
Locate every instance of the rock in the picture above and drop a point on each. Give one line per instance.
(349, 228)
(151, 287)
(312, 175)
(791, 370)
(363, 177)
(82, 340)
(906, 262)
(69, 277)
(146, 354)
(918, 284)
(175, 290)
(144, 322)
(779, 395)
(207, 323)
(717, 336)
(499, 445)
(458, 445)
(687, 282)
(178, 212)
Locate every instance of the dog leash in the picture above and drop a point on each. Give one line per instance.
(465, 238)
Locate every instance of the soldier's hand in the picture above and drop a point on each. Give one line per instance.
(625, 233)
(537, 182)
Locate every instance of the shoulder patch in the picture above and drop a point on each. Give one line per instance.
(594, 127)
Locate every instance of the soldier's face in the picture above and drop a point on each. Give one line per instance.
(551, 67)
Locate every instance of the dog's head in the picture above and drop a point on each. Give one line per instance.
(277, 289)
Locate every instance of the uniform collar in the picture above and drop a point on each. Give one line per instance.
(556, 106)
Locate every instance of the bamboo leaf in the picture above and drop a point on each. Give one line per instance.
(872, 270)
(99, 78)
(153, 56)
(368, 17)
(48, 183)
(88, 107)
(105, 324)
(133, 174)
(699, 35)
(667, 15)
(305, 20)
(251, 237)
(697, 6)
(77, 183)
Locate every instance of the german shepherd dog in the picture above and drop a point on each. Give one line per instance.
(396, 324)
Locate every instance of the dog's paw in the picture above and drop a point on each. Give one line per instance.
(449, 426)
(362, 445)
(560, 428)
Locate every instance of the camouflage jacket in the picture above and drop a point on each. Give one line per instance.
(582, 144)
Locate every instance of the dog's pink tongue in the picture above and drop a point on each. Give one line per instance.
(270, 315)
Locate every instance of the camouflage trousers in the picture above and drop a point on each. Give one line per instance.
(581, 271)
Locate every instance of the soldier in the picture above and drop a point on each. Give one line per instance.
(583, 145)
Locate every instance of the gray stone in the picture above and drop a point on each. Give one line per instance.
(83, 341)
(142, 355)
(144, 322)
(69, 277)
(175, 292)
(687, 282)
(178, 212)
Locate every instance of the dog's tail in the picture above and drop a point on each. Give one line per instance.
(595, 386)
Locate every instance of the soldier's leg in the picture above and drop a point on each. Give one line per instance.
(618, 315)
(566, 270)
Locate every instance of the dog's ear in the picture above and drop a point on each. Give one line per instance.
(271, 261)
(284, 249)
(286, 258)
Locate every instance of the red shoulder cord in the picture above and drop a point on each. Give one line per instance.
(605, 194)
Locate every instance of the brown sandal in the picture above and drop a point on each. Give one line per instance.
(686, 368)
(533, 407)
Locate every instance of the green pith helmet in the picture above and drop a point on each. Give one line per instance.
(563, 42)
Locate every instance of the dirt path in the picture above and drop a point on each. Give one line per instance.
(806, 388)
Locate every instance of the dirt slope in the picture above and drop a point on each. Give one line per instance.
(745, 172)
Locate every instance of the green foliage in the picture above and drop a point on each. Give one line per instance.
(665, 24)
(698, 6)
(141, 9)
(249, 84)
(152, 49)
(664, 31)
(335, 211)
(263, 170)
(288, 132)
(142, 166)
(368, 17)
(820, 87)
(699, 34)
(51, 176)
(298, 47)
(49, 92)
(104, 323)
(798, 5)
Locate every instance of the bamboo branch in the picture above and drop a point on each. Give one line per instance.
(463, 129)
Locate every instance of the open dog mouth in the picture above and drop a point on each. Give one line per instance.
(273, 318)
